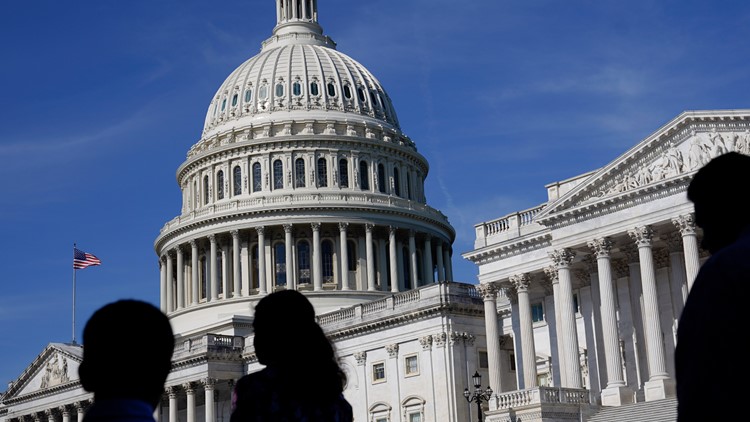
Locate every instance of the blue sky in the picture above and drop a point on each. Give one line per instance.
(101, 99)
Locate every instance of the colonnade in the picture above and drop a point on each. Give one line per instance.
(330, 256)
(65, 413)
(683, 259)
(189, 391)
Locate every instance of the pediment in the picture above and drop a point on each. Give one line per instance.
(56, 366)
(663, 162)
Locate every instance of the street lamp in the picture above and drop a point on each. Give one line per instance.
(478, 396)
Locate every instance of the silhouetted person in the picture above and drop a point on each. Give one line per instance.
(711, 374)
(302, 380)
(127, 355)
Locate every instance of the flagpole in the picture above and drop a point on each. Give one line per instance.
(74, 295)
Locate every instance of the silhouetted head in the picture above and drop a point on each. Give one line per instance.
(127, 352)
(718, 195)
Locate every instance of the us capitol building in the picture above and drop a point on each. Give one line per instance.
(302, 179)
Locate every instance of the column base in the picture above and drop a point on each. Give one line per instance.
(659, 389)
(617, 396)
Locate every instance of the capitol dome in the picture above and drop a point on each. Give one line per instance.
(301, 179)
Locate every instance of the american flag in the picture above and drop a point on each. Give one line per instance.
(82, 259)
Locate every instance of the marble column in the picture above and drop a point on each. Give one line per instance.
(615, 393)
(371, 281)
(429, 273)
(447, 263)
(413, 260)
(194, 269)
(440, 263)
(686, 225)
(488, 291)
(172, 392)
(288, 257)
(550, 273)
(209, 384)
(212, 278)
(393, 259)
(189, 388)
(65, 411)
(80, 411)
(236, 264)
(261, 260)
(678, 277)
(163, 282)
(317, 263)
(170, 283)
(521, 282)
(562, 259)
(180, 277)
(659, 385)
(344, 256)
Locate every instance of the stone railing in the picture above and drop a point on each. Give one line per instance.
(510, 225)
(286, 200)
(212, 342)
(542, 395)
(423, 297)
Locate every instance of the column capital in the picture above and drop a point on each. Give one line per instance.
(488, 291)
(212, 238)
(189, 387)
(551, 273)
(287, 228)
(601, 247)
(172, 391)
(521, 282)
(260, 230)
(209, 383)
(562, 258)
(392, 230)
(369, 227)
(235, 234)
(315, 227)
(343, 226)
(193, 243)
(426, 342)
(392, 350)
(177, 249)
(361, 357)
(685, 224)
(642, 236)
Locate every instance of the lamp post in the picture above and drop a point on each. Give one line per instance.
(478, 396)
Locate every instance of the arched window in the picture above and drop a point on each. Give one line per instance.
(408, 186)
(407, 268)
(205, 190)
(314, 88)
(196, 195)
(303, 261)
(331, 89)
(234, 100)
(280, 264)
(361, 94)
(220, 185)
(396, 182)
(237, 180)
(364, 176)
(322, 172)
(279, 89)
(381, 178)
(278, 175)
(263, 92)
(343, 173)
(326, 248)
(299, 173)
(223, 104)
(257, 182)
(348, 92)
(248, 95)
(297, 88)
(351, 255)
(203, 276)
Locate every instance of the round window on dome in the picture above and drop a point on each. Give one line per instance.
(348, 92)
(248, 95)
(279, 89)
(297, 89)
(314, 88)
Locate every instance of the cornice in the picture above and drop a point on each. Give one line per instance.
(516, 246)
(168, 233)
(41, 393)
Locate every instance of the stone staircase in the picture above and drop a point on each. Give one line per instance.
(653, 411)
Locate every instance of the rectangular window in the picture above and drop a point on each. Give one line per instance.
(415, 417)
(411, 365)
(484, 361)
(378, 372)
(537, 312)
